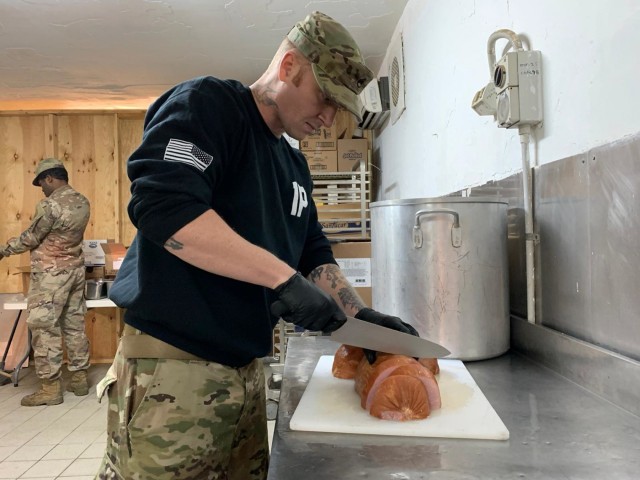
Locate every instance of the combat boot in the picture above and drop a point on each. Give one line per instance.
(78, 383)
(50, 393)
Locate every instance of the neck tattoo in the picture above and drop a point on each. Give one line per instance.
(264, 95)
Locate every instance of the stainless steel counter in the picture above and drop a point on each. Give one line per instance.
(558, 431)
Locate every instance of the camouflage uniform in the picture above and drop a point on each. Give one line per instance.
(194, 419)
(56, 302)
(184, 419)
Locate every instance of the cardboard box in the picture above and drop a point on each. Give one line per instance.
(343, 220)
(345, 228)
(321, 139)
(93, 253)
(114, 255)
(354, 259)
(351, 152)
(322, 160)
(348, 210)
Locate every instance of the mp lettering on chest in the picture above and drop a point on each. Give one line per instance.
(300, 200)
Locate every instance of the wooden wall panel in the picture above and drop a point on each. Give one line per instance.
(86, 144)
(129, 137)
(33, 151)
(51, 135)
(22, 145)
(105, 178)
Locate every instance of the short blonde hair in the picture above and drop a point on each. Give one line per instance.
(285, 46)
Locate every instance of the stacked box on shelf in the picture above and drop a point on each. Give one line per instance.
(339, 166)
(320, 149)
(352, 152)
(344, 220)
(321, 160)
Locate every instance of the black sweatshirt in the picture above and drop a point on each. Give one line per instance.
(205, 146)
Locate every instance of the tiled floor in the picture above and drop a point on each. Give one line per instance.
(64, 441)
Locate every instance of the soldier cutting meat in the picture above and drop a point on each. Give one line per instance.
(228, 241)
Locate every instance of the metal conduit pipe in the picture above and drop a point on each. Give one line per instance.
(525, 136)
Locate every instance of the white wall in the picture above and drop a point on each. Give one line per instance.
(591, 89)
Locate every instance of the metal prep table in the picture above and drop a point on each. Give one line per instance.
(558, 430)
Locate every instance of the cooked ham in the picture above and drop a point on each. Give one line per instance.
(346, 361)
(395, 387)
(431, 364)
(400, 398)
(348, 357)
(381, 369)
(427, 378)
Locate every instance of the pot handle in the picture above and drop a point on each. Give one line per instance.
(456, 232)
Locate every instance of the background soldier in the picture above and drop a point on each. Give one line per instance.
(56, 303)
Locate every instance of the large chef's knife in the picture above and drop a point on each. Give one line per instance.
(359, 333)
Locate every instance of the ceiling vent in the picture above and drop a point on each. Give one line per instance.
(396, 78)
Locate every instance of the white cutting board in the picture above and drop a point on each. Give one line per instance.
(331, 404)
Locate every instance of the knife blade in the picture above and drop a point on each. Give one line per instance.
(359, 333)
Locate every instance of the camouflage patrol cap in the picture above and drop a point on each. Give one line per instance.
(44, 165)
(336, 60)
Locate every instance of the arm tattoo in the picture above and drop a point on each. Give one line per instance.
(173, 244)
(349, 298)
(334, 276)
(315, 275)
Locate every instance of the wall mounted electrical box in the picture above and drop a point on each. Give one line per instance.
(514, 98)
(517, 77)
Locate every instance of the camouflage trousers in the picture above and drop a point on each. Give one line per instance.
(184, 419)
(56, 308)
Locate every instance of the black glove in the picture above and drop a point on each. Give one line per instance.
(394, 323)
(304, 304)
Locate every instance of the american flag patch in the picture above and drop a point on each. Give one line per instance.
(185, 152)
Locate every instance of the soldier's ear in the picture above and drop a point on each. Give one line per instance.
(288, 67)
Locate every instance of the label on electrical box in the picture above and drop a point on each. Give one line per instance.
(529, 69)
(529, 63)
(356, 270)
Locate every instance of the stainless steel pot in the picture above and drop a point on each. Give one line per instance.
(440, 264)
(93, 289)
(107, 287)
